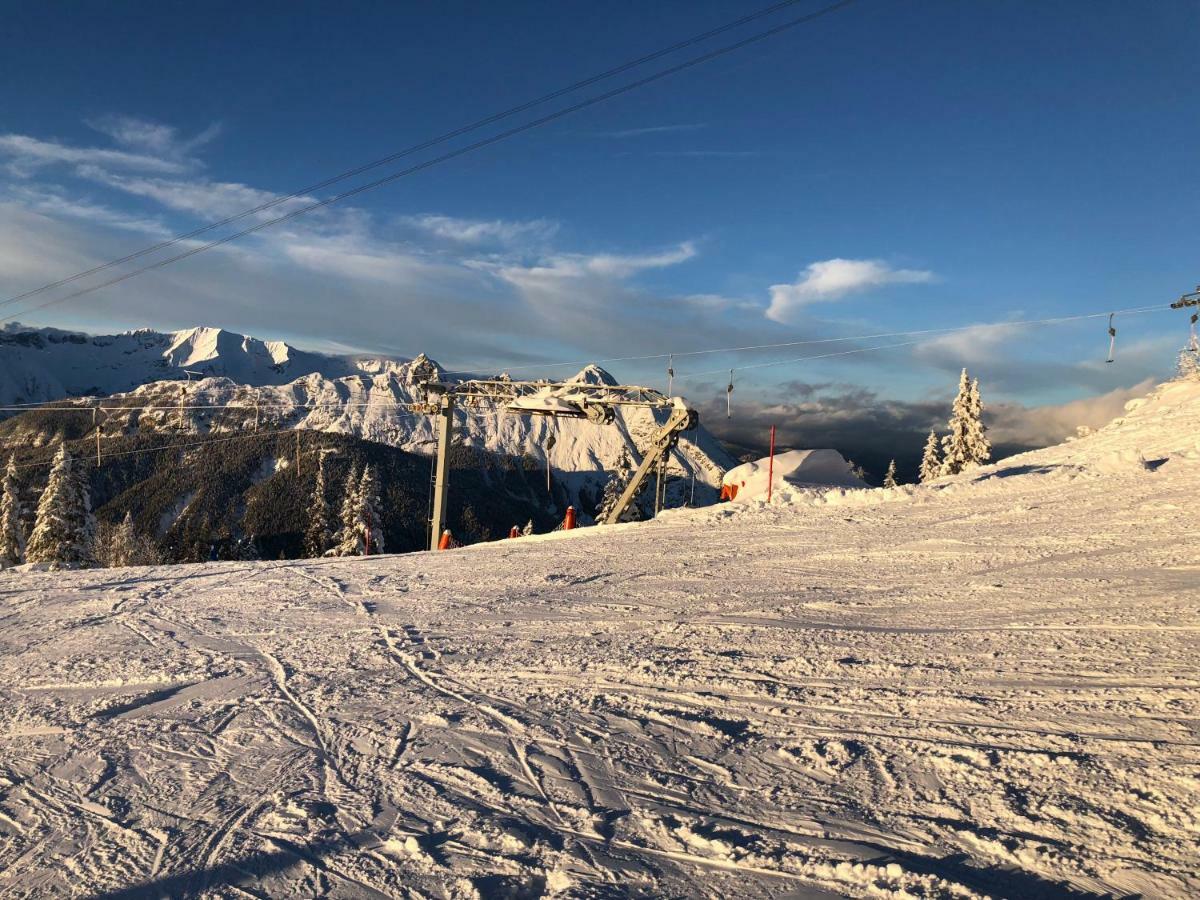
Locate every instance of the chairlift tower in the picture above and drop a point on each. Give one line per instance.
(567, 400)
(1184, 302)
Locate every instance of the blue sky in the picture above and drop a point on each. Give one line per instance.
(895, 165)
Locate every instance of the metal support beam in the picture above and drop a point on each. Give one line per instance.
(657, 454)
(441, 473)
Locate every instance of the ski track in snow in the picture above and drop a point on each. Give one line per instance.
(987, 689)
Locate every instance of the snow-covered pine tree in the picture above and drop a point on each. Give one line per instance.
(64, 529)
(931, 459)
(118, 544)
(348, 540)
(528, 529)
(966, 446)
(370, 522)
(980, 446)
(889, 479)
(1188, 367)
(123, 545)
(12, 530)
(318, 536)
(856, 470)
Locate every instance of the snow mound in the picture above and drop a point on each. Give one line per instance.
(1160, 429)
(797, 468)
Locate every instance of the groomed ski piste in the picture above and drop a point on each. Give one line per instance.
(984, 687)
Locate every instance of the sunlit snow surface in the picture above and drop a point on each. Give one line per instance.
(989, 687)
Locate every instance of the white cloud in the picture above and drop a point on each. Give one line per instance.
(1041, 425)
(973, 346)
(27, 154)
(476, 231)
(832, 279)
(605, 265)
(152, 137)
(204, 199)
(56, 202)
(653, 129)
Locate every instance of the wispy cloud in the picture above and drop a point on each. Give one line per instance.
(478, 232)
(153, 138)
(708, 154)
(832, 279)
(25, 155)
(654, 129)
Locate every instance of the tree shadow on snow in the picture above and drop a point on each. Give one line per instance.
(246, 872)
(991, 881)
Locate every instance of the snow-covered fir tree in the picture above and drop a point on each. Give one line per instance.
(345, 542)
(318, 536)
(12, 529)
(889, 479)
(117, 544)
(1188, 367)
(370, 521)
(123, 545)
(966, 446)
(615, 487)
(362, 524)
(528, 529)
(856, 470)
(981, 447)
(64, 529)
(931, 459)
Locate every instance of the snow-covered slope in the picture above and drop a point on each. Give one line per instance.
(988, 689)
(365, 397)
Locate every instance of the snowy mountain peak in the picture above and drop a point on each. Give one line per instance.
(592, 374)
(424, 369)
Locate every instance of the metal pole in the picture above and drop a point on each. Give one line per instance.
(441, 474)
(771, 465)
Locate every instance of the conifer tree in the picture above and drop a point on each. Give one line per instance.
(1188, 366)
(980, 446)
(856, 470)
(931, 460)
(370, 522)
(12, 530)
(347, 540)
(966, 446)
(118, 543)
(318, 536)
(528, 529)
(889, 480)
(64, 529)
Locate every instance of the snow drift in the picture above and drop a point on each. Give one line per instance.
(798, 468)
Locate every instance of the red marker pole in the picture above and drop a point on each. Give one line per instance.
(569, 522)
(771, 465)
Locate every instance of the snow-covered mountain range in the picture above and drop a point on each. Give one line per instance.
(272, 385)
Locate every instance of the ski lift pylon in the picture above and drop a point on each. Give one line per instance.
(729, 397)
(1112, 339)
(670, 375)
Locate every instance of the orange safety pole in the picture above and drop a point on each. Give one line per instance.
(771, 465)
(514, 532)
(569, 521)
(444, 543)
